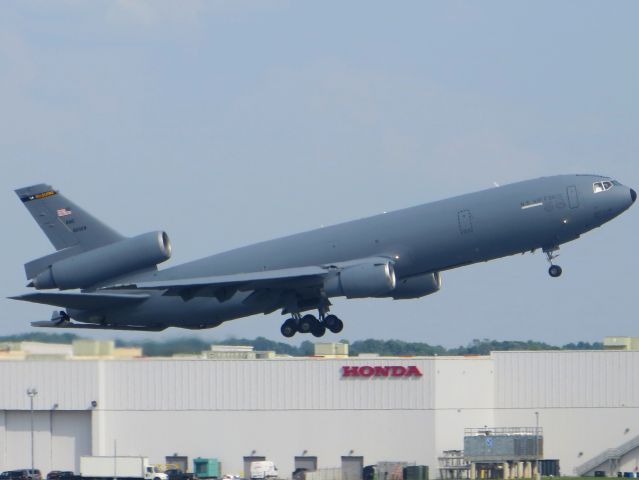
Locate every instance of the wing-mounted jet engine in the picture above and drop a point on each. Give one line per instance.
(416, 286)
(373, 279)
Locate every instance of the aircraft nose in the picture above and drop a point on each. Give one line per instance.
(633, 195)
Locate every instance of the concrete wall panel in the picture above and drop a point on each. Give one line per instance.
(561, 379)
(279, 435)
(71, 385)
(296, 384)
(60, 437)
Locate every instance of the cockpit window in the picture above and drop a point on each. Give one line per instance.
(601, 186)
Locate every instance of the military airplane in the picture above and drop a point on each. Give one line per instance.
(397, 255)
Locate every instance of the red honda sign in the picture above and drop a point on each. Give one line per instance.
(380, 371)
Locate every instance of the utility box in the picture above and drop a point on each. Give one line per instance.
(416, 472)
(206, 467)
(503, 444)
(369, 472)
(550, 468)
(388, 470)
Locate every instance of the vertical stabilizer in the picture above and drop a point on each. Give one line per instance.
(66, 225)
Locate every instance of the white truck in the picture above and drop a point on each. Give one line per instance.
(119, 467)
(263, 470)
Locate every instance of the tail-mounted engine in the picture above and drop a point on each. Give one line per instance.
(94, 266)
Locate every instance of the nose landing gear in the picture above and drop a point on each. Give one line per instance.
(554, 270)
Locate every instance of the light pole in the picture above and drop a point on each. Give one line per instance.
(537, 472)
(32, 392)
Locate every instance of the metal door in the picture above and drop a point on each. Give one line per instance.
(573, 197)
(180, 461)
(306, 462)
(352, 467)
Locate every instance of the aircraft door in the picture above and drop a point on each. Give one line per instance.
(465, 220)
(573, 197)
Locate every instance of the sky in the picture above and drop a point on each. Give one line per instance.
(229, 122)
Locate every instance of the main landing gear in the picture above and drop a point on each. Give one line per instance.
(554, 270)
(311, 324)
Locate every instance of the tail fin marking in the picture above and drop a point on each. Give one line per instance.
(63, 222)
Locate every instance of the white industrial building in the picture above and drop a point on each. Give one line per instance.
(282, 408)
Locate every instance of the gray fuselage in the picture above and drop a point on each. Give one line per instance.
(477, 227)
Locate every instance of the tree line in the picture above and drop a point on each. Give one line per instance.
(195, 345)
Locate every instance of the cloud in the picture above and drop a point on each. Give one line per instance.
(148, 13)
(16, 61)
(186, 14)
(368, 123)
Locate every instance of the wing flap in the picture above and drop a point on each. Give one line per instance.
(236, 279)
(224, 287)
(83, 301)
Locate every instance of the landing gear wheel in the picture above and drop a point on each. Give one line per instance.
(333, 323)
(306, 323)
(289, 328)
(319, 329)
(554, 271)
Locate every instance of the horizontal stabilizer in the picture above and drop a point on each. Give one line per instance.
(83, 301)
(93, 326)
(34, 267)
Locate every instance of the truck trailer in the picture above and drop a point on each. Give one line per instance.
(263, 470)
(134, 468)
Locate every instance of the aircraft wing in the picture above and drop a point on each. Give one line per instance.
(94, 326)
(224, 286)
(83, 301)
(305, 278)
